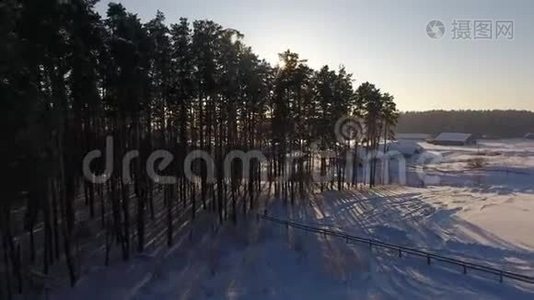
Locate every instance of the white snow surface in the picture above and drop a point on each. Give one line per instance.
(483, 215)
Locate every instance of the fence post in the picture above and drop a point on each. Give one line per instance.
(428, 259)
(465, 269)
(400, 252)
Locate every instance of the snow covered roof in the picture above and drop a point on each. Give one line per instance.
(453, 136)
(412, 136)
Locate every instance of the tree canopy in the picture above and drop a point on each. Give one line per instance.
(71, 78)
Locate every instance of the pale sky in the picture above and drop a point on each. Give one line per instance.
(385, 42)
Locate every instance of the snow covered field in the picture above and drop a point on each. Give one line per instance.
(482, 211)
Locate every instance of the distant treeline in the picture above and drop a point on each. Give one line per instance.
(494, 123)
